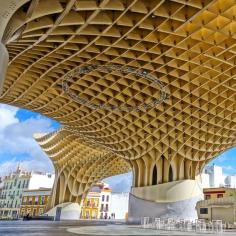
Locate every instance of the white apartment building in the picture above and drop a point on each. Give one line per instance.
(13, 186)
(205, 180)
(213, 177)
(230, 181)
(104, 203)
(119, 206)
(216, 178)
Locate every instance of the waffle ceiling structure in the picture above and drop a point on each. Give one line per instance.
(187, 45)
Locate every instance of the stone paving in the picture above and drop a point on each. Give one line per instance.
(83, 228)
(128, 230)
(40, 228)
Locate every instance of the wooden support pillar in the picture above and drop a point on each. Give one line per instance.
(135, 170)
(148, 170)
(187, 169)
(174, 166)
(180, 168)
(159, 171)
(141, 172)
(165, 170)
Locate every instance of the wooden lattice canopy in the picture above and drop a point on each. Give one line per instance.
(188, 45)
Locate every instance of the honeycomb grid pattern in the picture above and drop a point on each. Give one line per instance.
(189, 45)
(77, 165)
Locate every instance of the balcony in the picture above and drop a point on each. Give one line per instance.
(104, 209)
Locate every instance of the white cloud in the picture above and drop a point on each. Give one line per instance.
(120, 183)
(28, 165)
(16, 139)
(7, 116)
(228, 167)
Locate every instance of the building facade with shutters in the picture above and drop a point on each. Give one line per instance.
(34, 202)
(96, 205)
(15, 184)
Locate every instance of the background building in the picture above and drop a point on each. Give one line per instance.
(34, 202)
(119, 205)
(219, 204)
(216, 178)
(90, 204)
(13, 186)
(213, 193)
(213, 177)
(104, 203)
(96, 205)
(230, 181)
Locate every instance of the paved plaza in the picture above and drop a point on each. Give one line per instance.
(73, 228)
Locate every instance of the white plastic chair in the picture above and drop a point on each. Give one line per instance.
(217, 226)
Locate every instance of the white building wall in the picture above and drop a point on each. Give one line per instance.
(13, 186)
(230, 181)
(119, 205)
(205, 180)
(216, 177)
(105, 200)
(41, 181)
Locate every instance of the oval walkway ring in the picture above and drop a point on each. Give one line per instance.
(107, 69)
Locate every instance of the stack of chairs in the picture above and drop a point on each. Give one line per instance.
(168, 224)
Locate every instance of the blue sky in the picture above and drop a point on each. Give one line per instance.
(17, 145)
(227, 160)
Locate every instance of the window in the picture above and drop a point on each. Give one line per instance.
(40, 211)
(15, 182)
(42, 200)
(30, 201)
(103, 198)
(24, 200)
(107, 198)
(22, 212)
(88, 203)
(36, 199)
(94, 214)
(203, 211)
(34, 211)
(219, 195)
(102, 206)
(29, 210)
(106, 207)
(87, 214)
(207, 197)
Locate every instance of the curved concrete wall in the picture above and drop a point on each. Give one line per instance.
(171, 200)
(69, 211)
(169, 192)
(139, 208)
